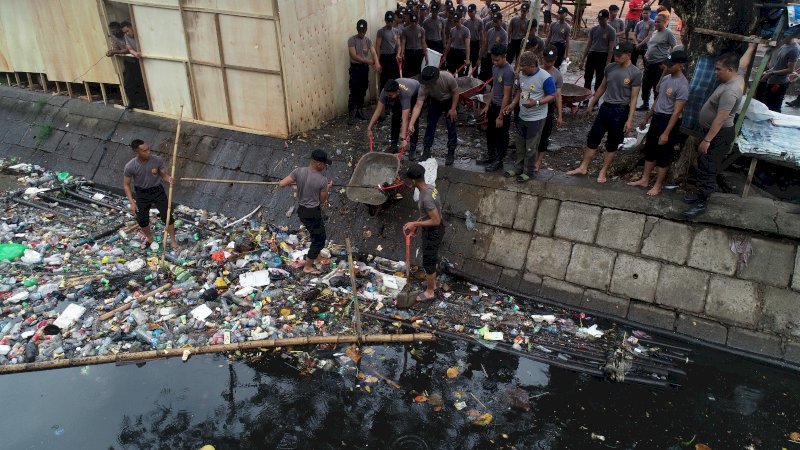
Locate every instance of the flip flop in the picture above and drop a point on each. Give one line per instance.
(522, 178)
(421, 297)
(510, 173)
(314, 272)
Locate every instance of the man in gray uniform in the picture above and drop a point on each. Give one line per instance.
(402, 93)
(442, 89)
(434, 29)
(312, 194)
(517, 29)
(597, 54)
(559, 36)
(477, 35)
(615, 22)
(362, 56)
(456, 55)
(387, 41)
(659, 46)
(433, 227)
(554, 109)
(621, 85)
(143, 176)
(494, 36)
(641, 32)
(414, 48)
(775, 81)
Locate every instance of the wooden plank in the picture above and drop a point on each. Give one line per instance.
(224, 74)
(232, 7)
(249, 42)
(285, 93)
(69, 89)
(20, 26)
(167, 86)
(88, 92)
(58, 88)
(203, 38)
(160, 32)
(43, 82)
(30, 81)
(103, 93)
(212, 105)
(735, 37)
(750, 174)
(141, 62)
(16, 77)
(163, 4)
(257, 101)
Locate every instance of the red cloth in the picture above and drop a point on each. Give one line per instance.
(634, 10)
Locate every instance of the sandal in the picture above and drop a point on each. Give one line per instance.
(511, 173)
(522, 178)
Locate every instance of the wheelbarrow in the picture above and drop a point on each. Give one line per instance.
(381, 171)
(572, 95)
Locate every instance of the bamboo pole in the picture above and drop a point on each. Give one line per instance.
(534, 16)
(169, 194)
(215, 180)
(141, 298)
(179, 352)
(354, 293)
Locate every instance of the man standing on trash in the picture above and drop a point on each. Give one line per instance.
(432, 223)
(402, 93)
(143, 176)
(312, 193)
(442, 88)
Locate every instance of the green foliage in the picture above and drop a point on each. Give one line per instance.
(43, 132)
(39, 105)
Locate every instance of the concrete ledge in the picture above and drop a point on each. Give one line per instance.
(755, 342)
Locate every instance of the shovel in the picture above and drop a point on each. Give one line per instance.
(406, 298)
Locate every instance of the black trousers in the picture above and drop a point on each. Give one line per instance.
(397, 122)
(513, 49)
(389, 68)
(312, 219)
(455, 59)
(134, 84)
(547, 129)
(562, 52)
(359, 82)
(412, 62)
(650, 79)
(637, 53)
(709, 164)
(435, 45)
(486, 68)
(772, 95)
(594, 68)
(497, 138)
(474, 50)
(431, 241)
(437, 108)
(147, 198)
(653, 152)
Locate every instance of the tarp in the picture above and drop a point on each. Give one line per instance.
(770, 135)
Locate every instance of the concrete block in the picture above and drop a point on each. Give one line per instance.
(485, 272)
(530, 284)
(468, 199)
(526, 212)
(83, 150)
(562, 292)
(549, 257)
(471, 244)
(590, 266)
(666, 240)
(781, 311)
(546, 216)
(603, 303)
(796, 276)
(256, 159)
(682, 288)
(754, 342)
(635, 278)
(497, 207)
(792, 352)
(711, 251)
(701, 328)
(651, 315)
(577, 222)
(509, 248)
(771, 262)
(732, 300)
(14, 135)
(509, 279)
(621, 230)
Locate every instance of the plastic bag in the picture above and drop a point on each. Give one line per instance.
(10, 252)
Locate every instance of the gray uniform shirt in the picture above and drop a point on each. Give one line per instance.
(726, 97)
(489, 23)
(671, 90)
(617, 24)
(559, 32)
(413, 35)
(495, 36)
(362, 45)
(643, 28)
(441, 90)
(518, 27)
(408, 89)
(620, 80)
(557, 77)
(501, 77)
(389, 40)
(429, 199)
(475, 27)
(784, 55)
(603, 39)
(144, 175)
(457, 36)
(434, 28)
(659, 46)
(310, 184)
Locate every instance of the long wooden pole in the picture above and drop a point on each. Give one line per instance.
(534, 16)
(169, 195)
(353, 286)
(179, 352)
(142, 298)
(216, 180)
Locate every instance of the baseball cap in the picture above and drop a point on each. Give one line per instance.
(411, 3)
(678, 56)
(450, 9)
(525, 7)
(461, 8)
(416, 172)
(550, 53)
(448, 3)
(429, 75)
(361, 25)
(497, 16)
(472, 7)
(434, 6)
(494, 7)
(319, 155)
(603, 14)
(423, 7)
(458, 16)
(412, 17)
(563, 10)
(389, 15)
(623, 47)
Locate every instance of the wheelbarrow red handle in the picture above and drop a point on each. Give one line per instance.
(471, 72)
(403, 151)
(400, 66)
(460, 69)
(371, 144)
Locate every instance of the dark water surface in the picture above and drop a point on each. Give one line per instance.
(726, 402)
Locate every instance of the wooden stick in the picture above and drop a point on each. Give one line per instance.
(525, 39)
(103, 93)
(69, 89)
(750, 174)
(353, 286)
(179, 352)
(169, 195)
(141, 298)
(214, 180)
(735, 37)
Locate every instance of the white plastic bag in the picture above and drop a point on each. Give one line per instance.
(431, 166)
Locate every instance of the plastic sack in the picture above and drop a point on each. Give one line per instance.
(10, 252)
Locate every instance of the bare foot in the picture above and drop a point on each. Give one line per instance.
(311, 271)
(640, 182)
(537, 167)
(578, 171)
(174, 245)
(654, 191)
(602, 178)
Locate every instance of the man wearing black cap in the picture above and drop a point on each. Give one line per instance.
(456, 54)
(554, 109)
(498, 122)
(621, 86)
(559, 36)
(659, 46)
(414, 48)
(488, 22)
(361, 57)
(534, 43)
(312, 193)
(477, 35)
(387, 41)
(422, 13)
(486, 10)
(402, 93)
(665, 123)
(495, 35)
(433, 227)
(434, 29)
(441, 88)
(517, 29)
(597, 54)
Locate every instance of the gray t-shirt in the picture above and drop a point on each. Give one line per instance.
(413, 36)
(441, 90)
(617, 24)
(620, 80)
(132, 42)
(408, 89)
(671, 89)
(475, 27)
(518, 27)
(558, 77)
(786, 54)
(726, 97)
(495, 36)
(559, 32)
(389, 40)
(429, 199)
(146, 174)
(501, 77)
(457, 36)
(310, 184)
(603, 39)
(643, 28)
(362, 45)
(489, 23)
(659, 46)
(434, 28)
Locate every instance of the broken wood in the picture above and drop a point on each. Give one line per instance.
(141, 298)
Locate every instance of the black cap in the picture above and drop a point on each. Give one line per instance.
(623, 47)
(525, 7)
(458, 16)
(563, 10)
(678, 56)
(550, 53)
(450, 9)
(434, 6)
(497, 16)
(531, 42)
(429, 75)
(448, 3)
(416, 172)
(472, 7)
(361, 25)
(320, 156)
(603, 14)
(389, 15)
(412, 17)
(494, 7)
(400, 14)
(461, 8)
(410, 3)
(423, 7)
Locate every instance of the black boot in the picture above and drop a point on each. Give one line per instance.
(451, 157)
(494, 167)
(412, 152)
(698, 209)
(360, 114)
(426, 153)
(484, 160)
(351, 118)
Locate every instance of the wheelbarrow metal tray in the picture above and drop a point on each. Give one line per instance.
(572, 93)
(373, 169)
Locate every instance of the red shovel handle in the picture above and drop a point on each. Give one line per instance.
(371, 144)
